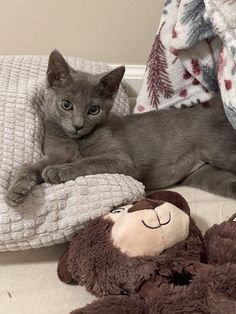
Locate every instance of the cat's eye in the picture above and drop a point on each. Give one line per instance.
(66, 105)
(94, 110)
(117, 210)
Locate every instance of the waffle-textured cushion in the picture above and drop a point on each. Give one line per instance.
(51, 213)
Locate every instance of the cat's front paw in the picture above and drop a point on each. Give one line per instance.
(57, 174)
(19, 191)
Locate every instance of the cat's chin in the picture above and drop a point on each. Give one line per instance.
(76, 135)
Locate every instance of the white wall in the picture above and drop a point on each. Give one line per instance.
(115, 31)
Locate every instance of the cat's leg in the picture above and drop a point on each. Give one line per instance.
(107, 163)
(220, 149)
(213, 180)
(28, 176)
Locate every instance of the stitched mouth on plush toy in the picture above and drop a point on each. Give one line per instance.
(160, 224)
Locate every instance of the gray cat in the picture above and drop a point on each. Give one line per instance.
(193, 146)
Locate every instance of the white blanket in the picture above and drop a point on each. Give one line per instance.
(193, 57)
(51, 213)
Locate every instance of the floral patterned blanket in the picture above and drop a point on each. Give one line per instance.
(193, 57)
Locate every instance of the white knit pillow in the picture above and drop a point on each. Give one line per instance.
(51, 213)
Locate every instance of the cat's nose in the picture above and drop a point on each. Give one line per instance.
(78, 124)
(78, 127)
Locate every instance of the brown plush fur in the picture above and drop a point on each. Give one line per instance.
(176, 281)
(221, 244)
(209, 290)
(104, 270)
(108, 305)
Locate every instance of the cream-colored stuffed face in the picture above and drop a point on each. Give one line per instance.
(148, 231)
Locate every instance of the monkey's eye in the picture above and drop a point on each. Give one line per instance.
(93, 110)
(66, 105)
(117, 210)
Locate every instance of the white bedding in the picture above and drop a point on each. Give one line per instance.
(51, 213)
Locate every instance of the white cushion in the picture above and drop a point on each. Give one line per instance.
(51, 213)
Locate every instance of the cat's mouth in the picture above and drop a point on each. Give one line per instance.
(78, 134)
(73, 134)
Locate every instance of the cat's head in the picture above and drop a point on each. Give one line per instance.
(79, 101)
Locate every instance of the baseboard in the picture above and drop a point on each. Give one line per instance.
(133, 78)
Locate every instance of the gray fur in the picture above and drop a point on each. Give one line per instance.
(193, 146)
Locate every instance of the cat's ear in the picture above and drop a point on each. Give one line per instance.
(58, 72)
(109, 83)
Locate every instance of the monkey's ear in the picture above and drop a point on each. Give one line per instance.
(62, 271)
(109, 83)
(58, 72)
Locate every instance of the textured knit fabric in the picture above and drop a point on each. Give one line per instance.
(193, 56)
(51, 213)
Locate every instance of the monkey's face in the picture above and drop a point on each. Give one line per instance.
(148, 228)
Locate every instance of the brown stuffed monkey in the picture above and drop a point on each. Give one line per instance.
(150, 257)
